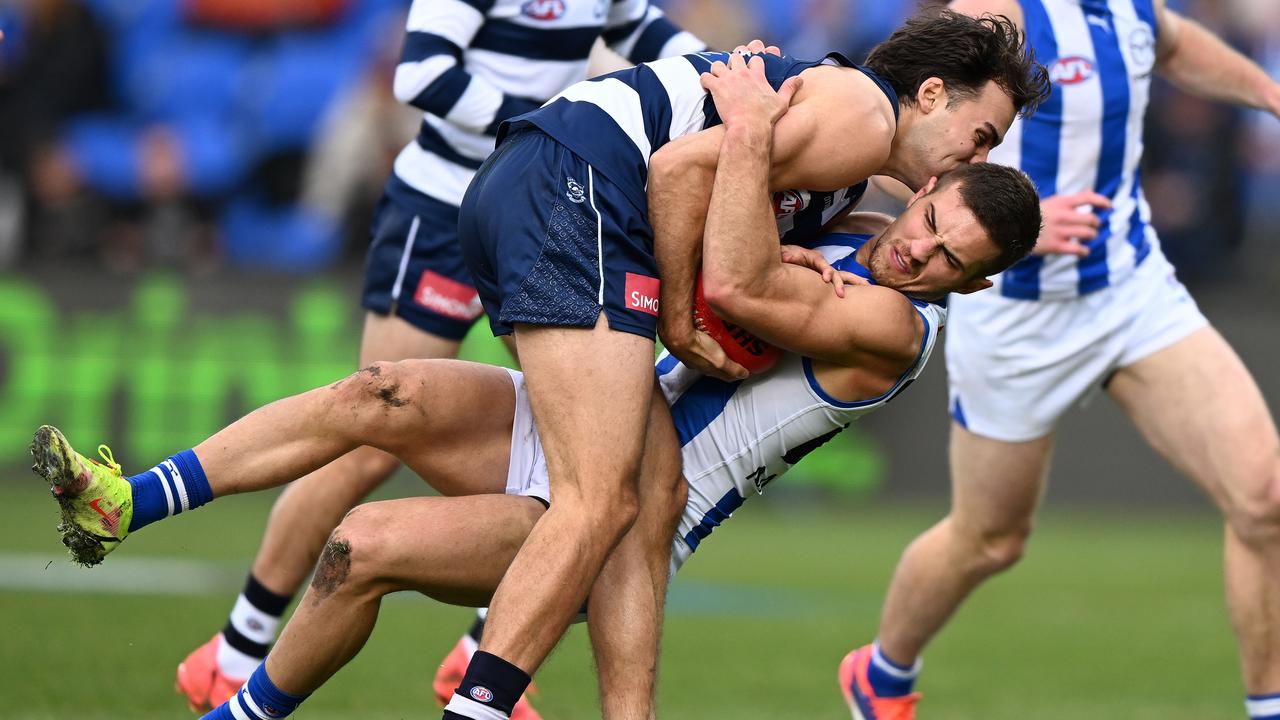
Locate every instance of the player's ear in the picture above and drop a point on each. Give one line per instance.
(973, 286)
(931, 96)
(924, 190)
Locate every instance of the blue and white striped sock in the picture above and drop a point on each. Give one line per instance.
(1263, 707)
(888, 678)
(175, 485)
(259, 699)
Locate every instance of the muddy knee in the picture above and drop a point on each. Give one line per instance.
(384, 401)
(348, 562)
(334, 568)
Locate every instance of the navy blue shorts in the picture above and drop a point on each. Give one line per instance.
(414, 268)
(550, 241)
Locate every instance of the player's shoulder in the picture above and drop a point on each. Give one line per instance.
(898, 325)
(847, 97)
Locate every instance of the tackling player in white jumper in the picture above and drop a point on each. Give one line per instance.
(469, 427)
(1098, 308)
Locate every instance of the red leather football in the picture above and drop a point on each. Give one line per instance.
(741, 346)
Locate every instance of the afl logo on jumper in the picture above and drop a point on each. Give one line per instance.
(1071, 70)
(790, 202)
(543, 9)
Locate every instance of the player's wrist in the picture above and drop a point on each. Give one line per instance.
(754, 134)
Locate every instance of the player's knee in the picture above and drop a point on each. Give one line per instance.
(1255, 515)
(603, 512)
(1002, 552)
(995, 550)
(334, 567)
(349, 563)
(379, 386)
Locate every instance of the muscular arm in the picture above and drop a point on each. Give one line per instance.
(789, 306)
(813, 149)
(1198, 62)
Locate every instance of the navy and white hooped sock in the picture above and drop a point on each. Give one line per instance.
(489, 690)
(1263, 707)
(250, 629)
(175, 485)
(259, 699)
(888, 678)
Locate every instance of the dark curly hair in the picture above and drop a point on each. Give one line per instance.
(1006, 205)
(965, 53)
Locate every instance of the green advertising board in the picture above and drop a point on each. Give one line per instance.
(159, 369)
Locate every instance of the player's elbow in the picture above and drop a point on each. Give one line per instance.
(727, 296)
(680, 167)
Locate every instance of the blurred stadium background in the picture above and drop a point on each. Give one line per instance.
(184, 192)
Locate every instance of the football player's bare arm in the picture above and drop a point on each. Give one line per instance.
(814, 148)
(838, 132)
(1199, 62)
(786, 305)
(975, 8)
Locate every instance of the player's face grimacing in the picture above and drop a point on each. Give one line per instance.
(950, 134)
(935, 247)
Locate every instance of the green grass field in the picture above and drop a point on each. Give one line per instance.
(1115, 616)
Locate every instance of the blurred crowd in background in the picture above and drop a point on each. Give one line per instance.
(205, 133)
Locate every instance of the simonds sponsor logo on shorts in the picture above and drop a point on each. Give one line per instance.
(447, 297)
(642, 293)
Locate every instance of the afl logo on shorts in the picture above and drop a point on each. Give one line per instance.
(1071, 70)
(790, 202)
(481, 694)
(543, 9)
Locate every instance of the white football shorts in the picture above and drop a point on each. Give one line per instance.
(1015, 366)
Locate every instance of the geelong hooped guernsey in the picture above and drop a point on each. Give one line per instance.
(616, 122)
(737, 437)
(472, 63)
(1087, 136)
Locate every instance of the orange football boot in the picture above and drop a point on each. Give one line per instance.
(199, 679)
(862, 700)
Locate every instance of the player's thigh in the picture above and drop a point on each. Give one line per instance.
(449, 420)
(391, 338)
(453, 549)
(1197, 405)
(996, 485)
(590, 390)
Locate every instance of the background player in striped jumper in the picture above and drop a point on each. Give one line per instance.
(468, 64)
(1100, 310)
(556, 230)
(469, 427)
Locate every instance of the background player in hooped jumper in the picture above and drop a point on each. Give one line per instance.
(469, 427)
(556, 230)
(468, 64)
(1100, 310)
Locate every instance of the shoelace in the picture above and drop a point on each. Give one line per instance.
(104, 452)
